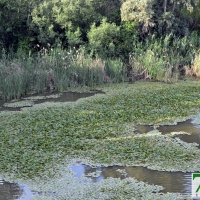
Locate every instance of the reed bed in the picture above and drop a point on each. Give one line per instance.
(164, 59)
(55, 69)
(167, 58)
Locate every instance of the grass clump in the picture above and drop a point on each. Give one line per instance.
(165, 59)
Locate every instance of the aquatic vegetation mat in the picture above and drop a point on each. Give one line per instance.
(19, 104)
(110, 188)
(33, 98)
(65, 186)
(34, 142)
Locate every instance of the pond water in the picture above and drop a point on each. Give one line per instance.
(186, 126)
(171, 181)
(64, 97)
(12, 191)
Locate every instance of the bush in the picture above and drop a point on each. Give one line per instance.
(104, 38)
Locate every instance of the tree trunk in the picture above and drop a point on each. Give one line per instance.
(165, 6)
(18, 10)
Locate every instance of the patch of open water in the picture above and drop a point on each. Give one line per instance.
(64, 97)
(186, 126)
(13, 191)
(172, 181)
(176, 182)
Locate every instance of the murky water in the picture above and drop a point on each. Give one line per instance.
(13, 191)
(171, 181)
(186, 126)
(66, 96)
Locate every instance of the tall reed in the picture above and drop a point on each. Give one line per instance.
(164, 58)
(55, 69)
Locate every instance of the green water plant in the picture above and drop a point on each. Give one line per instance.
(98, 130)
(100, 127)
(65, 186)
(19, 104)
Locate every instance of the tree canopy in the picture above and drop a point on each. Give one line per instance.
(27, 23)
(166, 16)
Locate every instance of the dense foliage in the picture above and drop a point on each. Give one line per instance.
(100, 128)
(57, 44)
(157, 40)
(25, 24)
(56, 70)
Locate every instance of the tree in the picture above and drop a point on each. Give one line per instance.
(194, 16)
(161, 16)
(104, 38)
(15, 17)
(68, 20)
(109, 9)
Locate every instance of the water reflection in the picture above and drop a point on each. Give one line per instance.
(65, 97)
(186, 126)
(172, 181)
(14, 191)
(143, 128)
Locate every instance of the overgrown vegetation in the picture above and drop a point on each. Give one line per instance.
(56, 69)
(167, 59)
(62, 44)
(100, 128)
(99, 42)
(110, 188)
